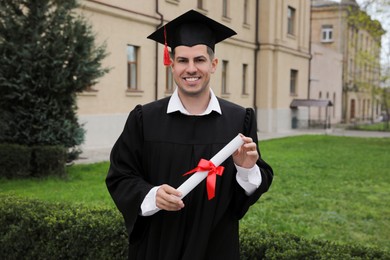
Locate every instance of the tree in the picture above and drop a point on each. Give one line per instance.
(386, 96)
(47, 55)
(366, 51)
(380, 9)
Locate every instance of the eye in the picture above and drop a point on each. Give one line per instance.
(200, 60)
(180, 60)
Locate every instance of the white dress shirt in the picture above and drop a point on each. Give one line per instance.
(248, 179)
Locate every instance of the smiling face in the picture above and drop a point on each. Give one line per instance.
(191, 69)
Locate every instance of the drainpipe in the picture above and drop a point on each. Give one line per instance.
(310, 61)
(156, 52)
(257, 49)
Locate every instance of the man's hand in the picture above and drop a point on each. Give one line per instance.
(168, 198)
(247, 155)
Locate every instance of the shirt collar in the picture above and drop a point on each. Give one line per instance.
(176, 105)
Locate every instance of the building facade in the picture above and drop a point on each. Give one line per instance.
(264, 66)
(334, 26)
(326, 69)
(283, 72)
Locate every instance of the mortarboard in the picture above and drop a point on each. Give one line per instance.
(189, 29)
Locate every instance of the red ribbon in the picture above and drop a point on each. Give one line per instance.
(211, 180)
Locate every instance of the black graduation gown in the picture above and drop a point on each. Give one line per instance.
(158, 148)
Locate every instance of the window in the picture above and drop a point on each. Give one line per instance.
(352, 108)
(224, 77)
(246, 11)
(327, 33)
(244, 79)
(290, 20)
(200, 4)
(132, 67)
(293, 82)
(364, 109)
(168, 80)
(225, 8)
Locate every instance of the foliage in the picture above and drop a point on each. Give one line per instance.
(15, 160)
(382, 126)
(360, 19)
(19, 161)
(380, 31)
(47, 160)
(271, 245)
(364, 48)
(386, 105)
(32, 229)
(48, 54)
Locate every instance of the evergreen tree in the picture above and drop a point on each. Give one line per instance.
(47, 55)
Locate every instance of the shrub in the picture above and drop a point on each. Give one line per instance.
(269, 245)
(32, 229)
(14, 160)
(37, 161)
(48, 160)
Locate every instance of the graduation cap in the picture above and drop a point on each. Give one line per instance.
(189, 29)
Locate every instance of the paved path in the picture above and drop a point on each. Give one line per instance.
(93, 155)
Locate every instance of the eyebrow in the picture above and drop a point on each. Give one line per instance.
(197, 57)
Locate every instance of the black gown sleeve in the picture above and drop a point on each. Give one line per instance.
(125, 180)
(242, 201)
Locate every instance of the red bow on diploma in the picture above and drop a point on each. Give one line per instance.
(213, 171)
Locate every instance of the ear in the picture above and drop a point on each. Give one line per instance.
(214, 64)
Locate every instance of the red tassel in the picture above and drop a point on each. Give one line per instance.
(167, 59)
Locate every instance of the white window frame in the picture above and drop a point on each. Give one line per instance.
(327, 33)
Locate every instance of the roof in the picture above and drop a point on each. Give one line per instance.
(310, 103)
(325, 3)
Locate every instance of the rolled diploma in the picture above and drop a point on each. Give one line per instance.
(219, 158)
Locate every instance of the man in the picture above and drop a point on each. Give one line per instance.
(164, 139)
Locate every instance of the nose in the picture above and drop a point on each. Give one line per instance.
(191, 68)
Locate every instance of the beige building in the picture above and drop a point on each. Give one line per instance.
(326, 67)
(283, 72)
(333, 28)
(265, 66)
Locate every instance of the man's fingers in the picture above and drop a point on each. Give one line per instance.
(168, 198)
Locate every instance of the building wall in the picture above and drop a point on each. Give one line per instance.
(281, 52)
(358, 79)
(326, 82)
(119, 23)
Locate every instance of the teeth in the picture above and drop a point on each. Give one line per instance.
(192, 79)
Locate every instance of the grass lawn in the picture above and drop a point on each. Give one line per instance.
(83, 185)
(334, 188)
(325, 187)
(382, 126)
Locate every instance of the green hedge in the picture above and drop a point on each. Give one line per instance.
(18, 161)
(32, 229)
(283, 246)
(14, 160)
(48, 160)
